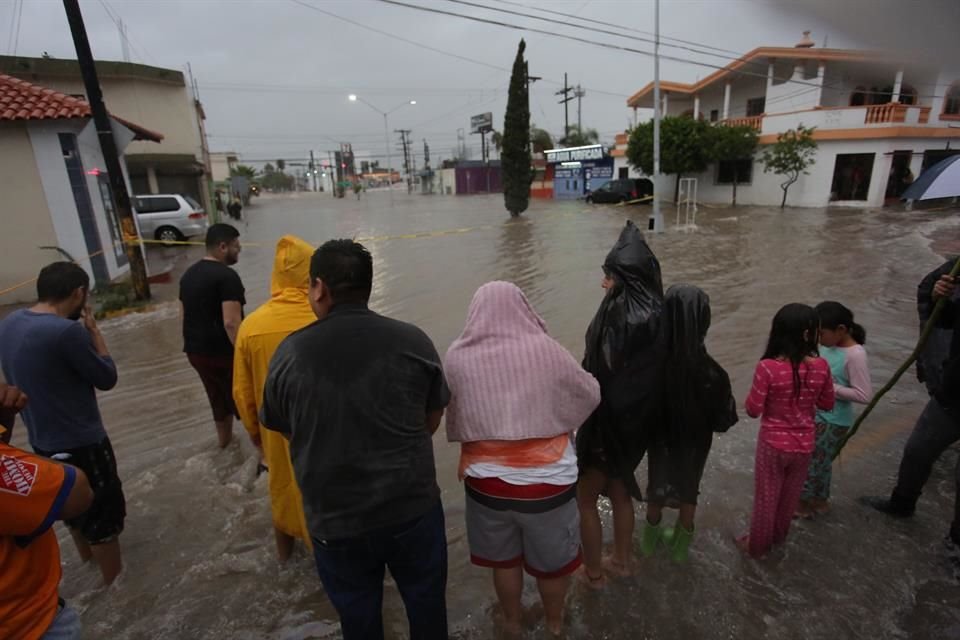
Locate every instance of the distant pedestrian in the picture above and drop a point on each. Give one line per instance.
(518, 397)
(287, 310)
(54, 352)
(360, 396)
(790, 383)
(235, 209)
(698, 402)
(841, 345)
(211, 309)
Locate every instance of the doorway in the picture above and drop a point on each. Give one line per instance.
(851, 176)
(900, 175)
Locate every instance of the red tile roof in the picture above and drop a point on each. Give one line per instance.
(21, 100)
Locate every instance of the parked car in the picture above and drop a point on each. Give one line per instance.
(169, 217)
(622, 190)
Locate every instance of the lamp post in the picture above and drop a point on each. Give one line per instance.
(386, 130)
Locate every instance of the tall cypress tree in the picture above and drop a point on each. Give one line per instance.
(515, 154)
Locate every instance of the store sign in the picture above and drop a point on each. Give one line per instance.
(575, 154)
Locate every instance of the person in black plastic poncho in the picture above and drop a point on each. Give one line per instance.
(623, 352)
(697, 403)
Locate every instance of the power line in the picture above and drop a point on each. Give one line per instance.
(605, 45)
(15, 35)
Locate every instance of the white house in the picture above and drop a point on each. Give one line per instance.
(879, 121)
(57, 200)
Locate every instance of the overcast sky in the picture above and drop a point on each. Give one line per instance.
(274, 75)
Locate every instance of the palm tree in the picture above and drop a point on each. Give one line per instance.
(497, 139)
(540, 139)
(580, 138)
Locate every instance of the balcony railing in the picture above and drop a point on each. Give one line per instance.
(894, 113)
(750, 121)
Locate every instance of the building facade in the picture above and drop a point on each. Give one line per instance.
(157, 98)
(58, 203)
(879, 121)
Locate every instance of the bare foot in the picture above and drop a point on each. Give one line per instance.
(595, 582)
(504, 629)
(532, 615)
(617, 568)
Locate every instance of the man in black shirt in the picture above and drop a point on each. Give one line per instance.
(360, 397)
(211, 309)
(939, 425)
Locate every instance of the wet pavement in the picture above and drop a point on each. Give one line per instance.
(198, 545)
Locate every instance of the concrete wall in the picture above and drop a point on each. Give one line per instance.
(220, 164)
(162, 107)
(25, 216)
(944, 81)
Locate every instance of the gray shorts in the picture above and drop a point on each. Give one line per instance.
(546, 543)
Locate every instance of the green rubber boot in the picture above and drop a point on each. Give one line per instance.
(679, 543)
(652, 534)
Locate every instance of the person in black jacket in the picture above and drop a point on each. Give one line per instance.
(698, 402)
(938, 426)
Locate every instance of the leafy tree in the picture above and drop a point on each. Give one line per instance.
(268, 169)
(496, 138)
(243, 170)
(790, 156)
(734, 144)
(515, 158)
(685, 147)
(541, 139)
(281, 165)
(579, 138)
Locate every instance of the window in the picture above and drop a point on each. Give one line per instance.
(755, 106)
(623, 173)
(743, 169)
(851, 176)
(908, 95)
(714, 115)
(859, 97)
(193, 203)
(951, 104)
(157, 205)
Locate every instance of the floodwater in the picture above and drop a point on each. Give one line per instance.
(198, 546)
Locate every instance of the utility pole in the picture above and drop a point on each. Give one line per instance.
(313, 171)
(566, 106)
(333, 173)
(404, 141)
(655, 223)
(108, 147)
(530, 80)
(579, 93)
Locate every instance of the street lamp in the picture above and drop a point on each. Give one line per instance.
(386, 130)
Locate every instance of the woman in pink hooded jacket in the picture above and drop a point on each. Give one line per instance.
(517, 398)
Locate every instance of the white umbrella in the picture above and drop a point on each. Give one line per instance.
(942, 180)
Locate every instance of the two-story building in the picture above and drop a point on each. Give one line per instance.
(156, 98)
(880, 121)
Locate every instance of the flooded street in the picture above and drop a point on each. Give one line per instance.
(198, 547)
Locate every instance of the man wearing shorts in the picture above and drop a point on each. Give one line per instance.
(54, 352)
(34, 493)
(211, 309)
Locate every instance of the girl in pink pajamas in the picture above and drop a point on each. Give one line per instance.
(790, 383)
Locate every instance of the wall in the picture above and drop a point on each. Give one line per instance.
(220, 165)
(943, 83)
(25, 215)
(162, 107)
(44, 137)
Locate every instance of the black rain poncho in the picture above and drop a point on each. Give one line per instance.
(697, 397)
(623, 352)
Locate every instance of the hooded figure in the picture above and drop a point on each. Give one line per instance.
(260, 334)
(697, 402)
(623, 352)
(517, 396)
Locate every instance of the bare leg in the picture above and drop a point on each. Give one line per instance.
(589, 487)
(687, 513)
(508, 584)
(553, 592)
(83, 549)
(623, 524)
(654, 513)
(107, 556)
(284, 544)
(225, 431)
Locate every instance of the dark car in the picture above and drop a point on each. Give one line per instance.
(622, 190)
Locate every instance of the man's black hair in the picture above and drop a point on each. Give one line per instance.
(346, 268)
(59, 280)
(219, 233)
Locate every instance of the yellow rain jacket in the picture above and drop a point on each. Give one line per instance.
(259, 336)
